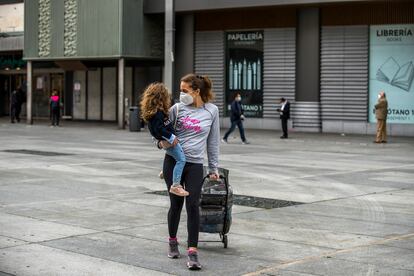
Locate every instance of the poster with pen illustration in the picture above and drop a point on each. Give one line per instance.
(391, 69)
(244, 71)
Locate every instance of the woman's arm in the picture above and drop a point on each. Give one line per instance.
(213, 143)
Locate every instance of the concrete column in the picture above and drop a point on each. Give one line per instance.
(121, 93)
(169, 45)
(306, 111)
(184, 52)
(29, 98)
(307, 55)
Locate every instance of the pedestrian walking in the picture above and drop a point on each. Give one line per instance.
(55, 107)
(284, 111)
(381, 111)
(198, 130)
(236, 119)
(154, 109)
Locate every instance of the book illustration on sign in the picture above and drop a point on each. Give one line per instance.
(400, 76)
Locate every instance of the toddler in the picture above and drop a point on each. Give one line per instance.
(154, 109)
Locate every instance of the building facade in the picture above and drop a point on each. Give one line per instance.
(12, 65)
(326, 57)
(107, 50)
(329, 58)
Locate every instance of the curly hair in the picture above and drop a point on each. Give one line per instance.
(155, 98)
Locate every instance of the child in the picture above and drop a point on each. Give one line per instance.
(154, 109)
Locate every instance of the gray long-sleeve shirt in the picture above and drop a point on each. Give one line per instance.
(198, 129)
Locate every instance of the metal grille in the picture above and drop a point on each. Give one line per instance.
(306, 115)
(209, 60)
(344, 73)
(279, 68)
(251, 201)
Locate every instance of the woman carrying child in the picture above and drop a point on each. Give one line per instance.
(198, 130)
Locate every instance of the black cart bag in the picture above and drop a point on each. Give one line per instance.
(216, 204)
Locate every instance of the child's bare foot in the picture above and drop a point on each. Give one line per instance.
(178, 190)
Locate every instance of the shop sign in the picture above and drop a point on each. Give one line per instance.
(391, 70)
(11, 63)
(244, 71)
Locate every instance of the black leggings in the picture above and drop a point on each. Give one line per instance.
(192, 178)
(55, 116)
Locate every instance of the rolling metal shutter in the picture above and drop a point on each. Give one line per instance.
(279, 68)
(209, 60)
(344, 73)
(306, 115)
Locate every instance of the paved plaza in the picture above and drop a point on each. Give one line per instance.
(77, 200)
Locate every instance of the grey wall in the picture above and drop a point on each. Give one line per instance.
(57, 28)
(31, 29)
(93, 83)
(307, 55)
(94, 95)
(79, 107)
(68, 90)
(109, 94)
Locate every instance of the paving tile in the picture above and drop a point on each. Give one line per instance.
(399, 258)
(9, 242)
(333, 266)
(33, 230)
(334, 224)
(151, 254)
(39, 260)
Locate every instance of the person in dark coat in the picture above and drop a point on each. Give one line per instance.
(236, 118)
(284, 111)
(16, 103)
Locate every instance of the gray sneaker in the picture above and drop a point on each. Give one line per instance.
(173, 252)
(193, 263)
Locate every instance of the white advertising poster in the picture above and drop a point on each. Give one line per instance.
(391, 70)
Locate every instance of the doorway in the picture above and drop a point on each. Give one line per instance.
(9, 83)
(42, 90)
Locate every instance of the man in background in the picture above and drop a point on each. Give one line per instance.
(236, 119)
(381, 111)
(284, 111)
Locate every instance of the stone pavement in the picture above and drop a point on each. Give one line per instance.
(76, 200)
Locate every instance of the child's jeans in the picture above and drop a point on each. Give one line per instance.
(178, 154)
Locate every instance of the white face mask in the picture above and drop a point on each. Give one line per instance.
(238, 99)
(186, 98)
(379, 96)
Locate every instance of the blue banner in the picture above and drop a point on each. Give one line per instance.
(391, 69)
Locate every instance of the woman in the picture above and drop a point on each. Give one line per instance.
(197, 128)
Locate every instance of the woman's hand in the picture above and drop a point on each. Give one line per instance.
(175, 142)
(164, 144)
(214, 176)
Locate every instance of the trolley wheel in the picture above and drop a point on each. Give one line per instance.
(225, 241)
